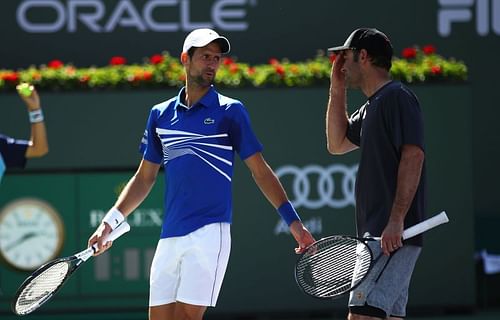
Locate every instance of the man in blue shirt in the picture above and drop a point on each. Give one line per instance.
(194, 136)
(14, 152)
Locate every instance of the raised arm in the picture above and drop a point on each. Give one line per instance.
(336, 113)
(38, 146)
(271, 187)
(136, 190)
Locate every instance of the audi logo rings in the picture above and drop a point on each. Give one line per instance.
(303, 196)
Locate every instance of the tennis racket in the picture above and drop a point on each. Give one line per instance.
(334, 266)
(44, 282)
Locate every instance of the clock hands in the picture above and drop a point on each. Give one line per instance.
(24, 238)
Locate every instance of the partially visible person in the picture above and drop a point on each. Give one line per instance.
(15, 152)
(390, 184)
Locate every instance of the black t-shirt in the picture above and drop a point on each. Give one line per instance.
(13, 151)
(389, 119)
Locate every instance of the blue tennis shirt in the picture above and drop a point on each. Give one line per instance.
(196, 147)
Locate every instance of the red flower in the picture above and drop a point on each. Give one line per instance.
(233, 68)
(117, 61)
(251, 70)
(429, 49)
(436, 70)
(11, 77)
(409, 53)
(55, 64)
(147, 75)
(332, 57)
(156, 59)
(85, 78)
(227, 61)
(274, 61)
(279, 70)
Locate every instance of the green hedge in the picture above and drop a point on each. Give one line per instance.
(417, 65)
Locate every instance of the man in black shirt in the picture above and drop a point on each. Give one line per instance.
(390, 184)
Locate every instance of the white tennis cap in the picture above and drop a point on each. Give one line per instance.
(201, 37)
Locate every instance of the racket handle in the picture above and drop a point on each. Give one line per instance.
(122, 228)
(425, 225)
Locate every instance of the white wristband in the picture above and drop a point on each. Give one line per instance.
(36, 116)
(113, 218)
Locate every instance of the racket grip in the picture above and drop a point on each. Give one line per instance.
(425, 225)
(122, 228)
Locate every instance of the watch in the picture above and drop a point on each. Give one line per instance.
(31, 233)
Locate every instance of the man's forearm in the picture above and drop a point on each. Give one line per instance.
(337, 122)
(271, 187)
(409, 173)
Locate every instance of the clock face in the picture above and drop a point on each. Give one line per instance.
(31, 233)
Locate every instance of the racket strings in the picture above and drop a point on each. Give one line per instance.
(322, 273)
(333, 267)
(41, 287)
(321, 270)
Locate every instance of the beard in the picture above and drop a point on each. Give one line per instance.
(201, 79)
(352, 82)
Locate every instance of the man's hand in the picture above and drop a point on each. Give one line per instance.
(392, 237)
(98, 237)
(337, 76)
(32, 101)
(301, 235)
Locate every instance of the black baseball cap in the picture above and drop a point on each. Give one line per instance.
(375, 42)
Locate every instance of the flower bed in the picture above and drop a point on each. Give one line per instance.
(417, 65)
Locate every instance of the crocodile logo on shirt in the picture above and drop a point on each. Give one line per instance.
(209, 121)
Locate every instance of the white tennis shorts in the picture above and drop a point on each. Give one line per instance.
(190, 268)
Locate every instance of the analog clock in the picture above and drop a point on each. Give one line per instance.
(31, 233)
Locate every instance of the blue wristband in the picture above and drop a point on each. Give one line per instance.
(288, 213)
